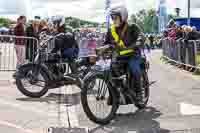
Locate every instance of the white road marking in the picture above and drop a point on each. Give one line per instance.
(189, 109)
(15, 126)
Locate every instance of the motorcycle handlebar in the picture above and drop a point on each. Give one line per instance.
(103, 47)
(105, 50)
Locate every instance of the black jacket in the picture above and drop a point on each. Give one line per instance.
(194, 35)
(65, 41)
(30, 32)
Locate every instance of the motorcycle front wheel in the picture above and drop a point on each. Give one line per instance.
(100, 102)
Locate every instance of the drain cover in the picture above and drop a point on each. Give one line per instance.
(66, 130)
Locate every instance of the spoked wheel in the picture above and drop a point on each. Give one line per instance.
(63, 68)
(32, 82)
(144, 91)
(100, 102)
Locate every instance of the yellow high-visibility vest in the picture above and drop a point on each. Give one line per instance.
(120, 41)
(124, 52)
(116, 37)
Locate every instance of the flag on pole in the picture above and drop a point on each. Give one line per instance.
(108, 2)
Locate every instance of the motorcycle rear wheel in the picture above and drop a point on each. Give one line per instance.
(28, 73)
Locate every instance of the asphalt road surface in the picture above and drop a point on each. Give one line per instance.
(174, 106)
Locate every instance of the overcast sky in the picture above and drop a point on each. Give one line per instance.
(85, 9)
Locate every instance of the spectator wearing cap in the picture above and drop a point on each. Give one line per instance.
(19, 31)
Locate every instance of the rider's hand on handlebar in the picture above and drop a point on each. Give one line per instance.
(111, 47)
(104, 49)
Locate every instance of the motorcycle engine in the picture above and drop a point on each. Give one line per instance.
(118, 69)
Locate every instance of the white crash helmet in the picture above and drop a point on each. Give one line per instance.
(121, 11)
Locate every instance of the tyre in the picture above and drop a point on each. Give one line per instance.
(28, 75)
(145, 88)
(102, 91)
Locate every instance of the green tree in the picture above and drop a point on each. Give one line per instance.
(74, 24)
(147, 20)
(4, 22)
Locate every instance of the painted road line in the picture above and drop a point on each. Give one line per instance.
(5, 123)
(189, 109)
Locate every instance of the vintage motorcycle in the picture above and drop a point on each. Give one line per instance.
(115, 86)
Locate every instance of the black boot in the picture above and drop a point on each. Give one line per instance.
(140, 90)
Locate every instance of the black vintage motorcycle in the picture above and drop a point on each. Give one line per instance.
(48, 71)
(115, 86)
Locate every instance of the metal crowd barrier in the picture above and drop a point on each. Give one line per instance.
(12, 55)
(16, 50)
(182, 52)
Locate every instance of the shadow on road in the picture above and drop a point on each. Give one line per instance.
(139, 122)
(68, 99)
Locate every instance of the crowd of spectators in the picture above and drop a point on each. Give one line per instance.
(176, 32)
(153, 42)
(25, 48)
(88, 41)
